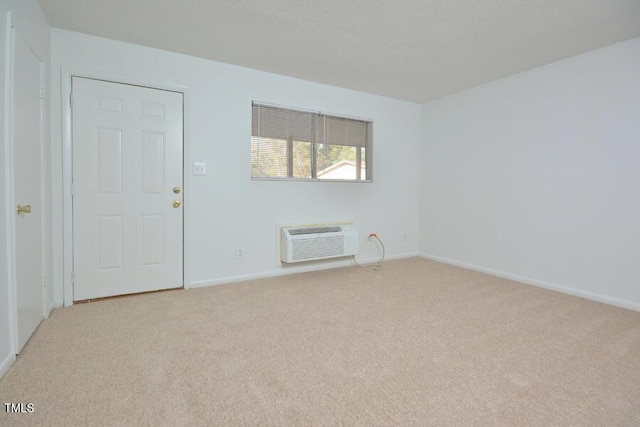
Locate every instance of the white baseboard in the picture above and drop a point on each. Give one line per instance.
(52, 306)
(294, 269)
(539, 283)
(6, 364)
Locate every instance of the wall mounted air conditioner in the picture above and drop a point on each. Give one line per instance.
(319, 242)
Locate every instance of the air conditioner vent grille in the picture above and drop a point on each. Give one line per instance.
(309, 243)
(314, 230)
(323, 247)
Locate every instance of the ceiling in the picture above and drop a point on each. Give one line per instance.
(415, 50)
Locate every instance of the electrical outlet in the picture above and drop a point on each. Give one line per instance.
(239, 253)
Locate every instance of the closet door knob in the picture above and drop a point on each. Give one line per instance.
(26, 209)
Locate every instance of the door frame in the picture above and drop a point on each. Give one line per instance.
(66, 76)
(10, 126)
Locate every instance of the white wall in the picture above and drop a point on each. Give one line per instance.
(537, 176)
(29, 20)
(226, 209)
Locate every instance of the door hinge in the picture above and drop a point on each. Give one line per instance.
(71, 100)
(44, 281)
(41, 93)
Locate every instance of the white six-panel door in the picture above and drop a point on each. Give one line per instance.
(127, 189)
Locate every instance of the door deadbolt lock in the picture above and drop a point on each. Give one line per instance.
(176, 204)
(176, 190)
(23, 209)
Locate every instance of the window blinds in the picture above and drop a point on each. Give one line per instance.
(284, 124)
(285, 141)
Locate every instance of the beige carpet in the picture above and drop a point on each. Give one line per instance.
(415, 343)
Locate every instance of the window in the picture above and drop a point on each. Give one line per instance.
(305, 145)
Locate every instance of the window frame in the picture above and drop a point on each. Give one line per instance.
(314, 144)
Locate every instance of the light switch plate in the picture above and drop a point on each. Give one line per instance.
(199, 169)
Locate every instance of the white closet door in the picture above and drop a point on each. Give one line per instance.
(27, 173)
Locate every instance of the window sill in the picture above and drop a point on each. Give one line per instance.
(353, 181)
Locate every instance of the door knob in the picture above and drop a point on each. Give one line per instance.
(176, 190)
(23, 209)
(176, 204)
